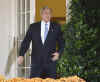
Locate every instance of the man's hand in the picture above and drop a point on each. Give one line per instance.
(55, 56)
(20, 60)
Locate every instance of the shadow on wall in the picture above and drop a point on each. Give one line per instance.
(11, 58)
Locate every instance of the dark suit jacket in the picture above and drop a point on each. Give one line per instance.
(42, 53)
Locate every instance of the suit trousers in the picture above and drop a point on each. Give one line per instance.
(43, 70)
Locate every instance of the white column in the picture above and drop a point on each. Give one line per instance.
(10, 69)
(7, 34)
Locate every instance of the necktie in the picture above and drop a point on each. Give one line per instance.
(46, 31)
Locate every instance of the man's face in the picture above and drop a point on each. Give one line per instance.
(46, 15)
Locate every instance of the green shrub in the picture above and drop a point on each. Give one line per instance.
(81, 44)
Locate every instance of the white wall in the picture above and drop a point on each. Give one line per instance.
(8, 29)
(32, 11)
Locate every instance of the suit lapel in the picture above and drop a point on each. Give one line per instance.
(40, 33)
(48, 35)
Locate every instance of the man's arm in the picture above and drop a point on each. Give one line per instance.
(61, 44)
(26, 42)
(25, 45)
(60, 40)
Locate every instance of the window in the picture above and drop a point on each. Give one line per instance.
(23, 22)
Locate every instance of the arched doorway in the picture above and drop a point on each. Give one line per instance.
(58, 7)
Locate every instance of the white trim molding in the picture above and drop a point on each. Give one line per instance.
(68, 16)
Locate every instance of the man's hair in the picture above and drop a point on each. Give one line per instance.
(45, 7)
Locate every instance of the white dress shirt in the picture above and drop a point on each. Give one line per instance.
(43, 29)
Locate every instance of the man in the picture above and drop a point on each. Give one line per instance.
(44, 36)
